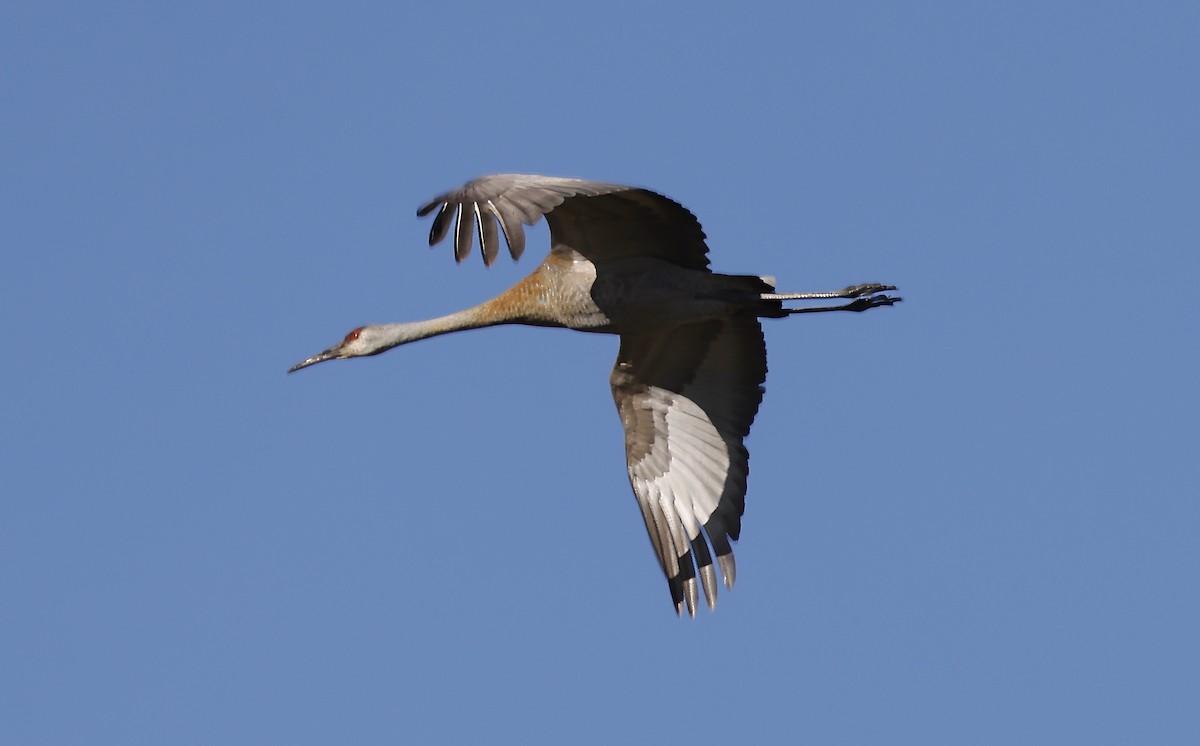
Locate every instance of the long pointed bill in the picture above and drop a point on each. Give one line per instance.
(330, 354)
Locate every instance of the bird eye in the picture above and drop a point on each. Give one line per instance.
(352, 335)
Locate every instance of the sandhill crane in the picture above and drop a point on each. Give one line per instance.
(688, 377)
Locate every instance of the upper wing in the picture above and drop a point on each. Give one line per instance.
(599, 220)
(687, 399)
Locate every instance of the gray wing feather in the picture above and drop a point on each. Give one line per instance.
(687, 400)
(441, 225)
(464, 225)
(598, 219)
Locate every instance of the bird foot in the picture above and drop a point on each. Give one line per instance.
(870, 288)
(873, 301)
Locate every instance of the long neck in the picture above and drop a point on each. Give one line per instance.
(524, 303)
(394, 335)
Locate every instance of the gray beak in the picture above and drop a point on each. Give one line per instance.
(330, 354)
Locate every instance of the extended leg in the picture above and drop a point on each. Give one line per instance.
(863, 295)
(854, 291)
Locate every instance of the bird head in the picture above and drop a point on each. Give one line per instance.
(358, 342)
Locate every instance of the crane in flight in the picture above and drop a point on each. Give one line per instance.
(688, 377)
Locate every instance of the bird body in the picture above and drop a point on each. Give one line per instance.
(688, 378)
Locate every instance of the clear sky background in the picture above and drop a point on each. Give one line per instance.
(973, 518)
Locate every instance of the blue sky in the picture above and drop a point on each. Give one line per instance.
(972, 518)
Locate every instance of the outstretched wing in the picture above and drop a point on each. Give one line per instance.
(599, 220)
(687, 399)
